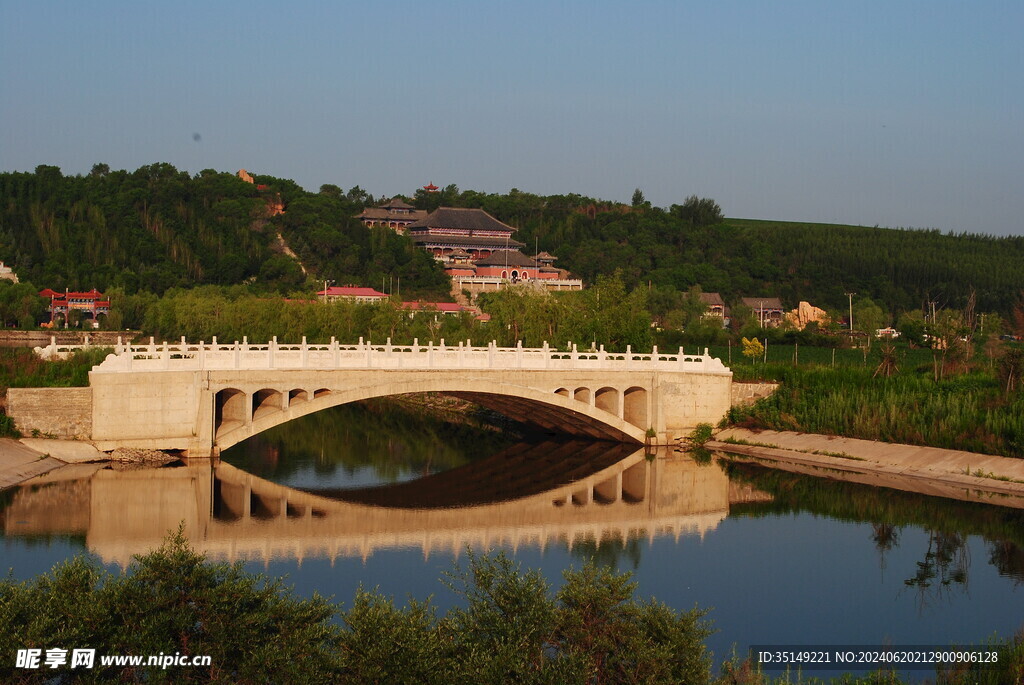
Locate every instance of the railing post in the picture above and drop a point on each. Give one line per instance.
(681, 365)
(461, 356)
(629, 356)
(335, 352)
(490, 353)
(271, 351)
(305, 353)
(368, 351)
(430, 354)
(201, 355)
(519, 354)
(654, 353)
(602, 358)
(574, 357)
(547, 354)
(165, 356)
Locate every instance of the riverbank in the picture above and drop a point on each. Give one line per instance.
(19, 462)
(930, 470)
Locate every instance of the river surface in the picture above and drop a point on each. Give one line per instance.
(389, 496)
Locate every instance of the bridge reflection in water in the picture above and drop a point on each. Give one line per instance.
(539, 494)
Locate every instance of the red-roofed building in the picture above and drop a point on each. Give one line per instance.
(91, 303)
(349, 292)
(442, 307)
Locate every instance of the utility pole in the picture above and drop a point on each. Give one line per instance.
(850, 295)
(326, 283)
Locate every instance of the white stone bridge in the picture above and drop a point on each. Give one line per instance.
(205, 397)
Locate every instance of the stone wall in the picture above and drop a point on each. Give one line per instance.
(10, 338)
(747, 393)
(53, 412)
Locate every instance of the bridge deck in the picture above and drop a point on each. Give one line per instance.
(184, 356)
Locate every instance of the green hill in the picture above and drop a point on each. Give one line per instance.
(158, 228)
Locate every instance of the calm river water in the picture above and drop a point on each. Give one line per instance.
(386, 495)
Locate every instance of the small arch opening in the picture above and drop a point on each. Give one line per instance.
(230, 410)
(266, 401)
(634, 407)
(608, 400)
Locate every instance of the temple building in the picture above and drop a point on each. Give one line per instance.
(474, 231)
(92, 304)
(395, 213)
(477, 250)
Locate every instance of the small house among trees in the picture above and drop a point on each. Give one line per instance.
(768, 311)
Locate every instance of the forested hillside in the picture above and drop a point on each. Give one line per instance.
(899, 269)
(157, 228)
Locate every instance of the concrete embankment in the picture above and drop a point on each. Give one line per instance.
(929, 470)
(19, 462)
(24, 459)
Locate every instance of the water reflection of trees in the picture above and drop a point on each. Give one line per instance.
(945, 564)
(1008, 558)
(609, 552)
(392, 438)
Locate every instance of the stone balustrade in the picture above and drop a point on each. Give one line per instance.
(203, 356)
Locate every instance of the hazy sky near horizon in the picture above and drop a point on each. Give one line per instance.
(892, 113)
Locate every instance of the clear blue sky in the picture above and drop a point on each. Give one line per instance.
(868, 112)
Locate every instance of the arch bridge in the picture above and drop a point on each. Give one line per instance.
(206, 397)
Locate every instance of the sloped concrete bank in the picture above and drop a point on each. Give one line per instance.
(23, 459)
(19, 463)
(928, 470)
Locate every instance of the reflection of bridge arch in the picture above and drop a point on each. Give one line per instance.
(610, 413)
(231, 514)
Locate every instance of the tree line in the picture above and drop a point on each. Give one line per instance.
(158, 228)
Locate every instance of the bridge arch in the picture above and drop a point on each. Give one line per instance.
(547, 410)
